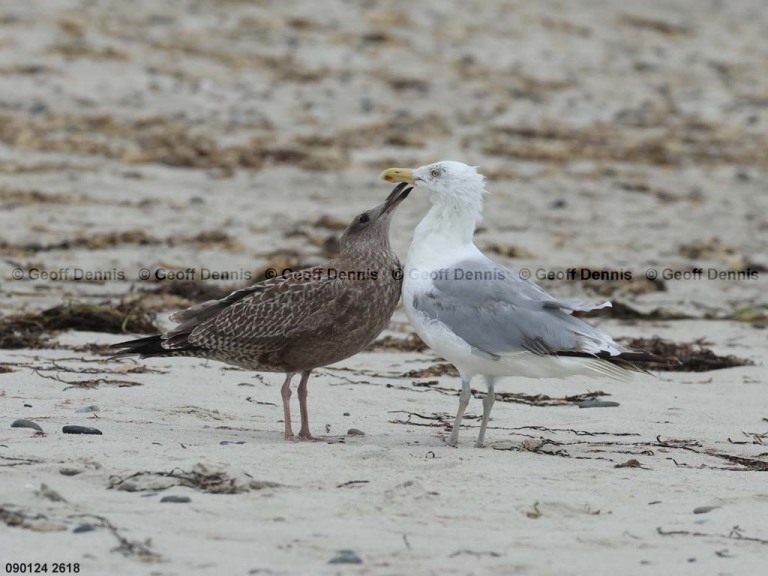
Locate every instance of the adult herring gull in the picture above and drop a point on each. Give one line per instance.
(482, 317)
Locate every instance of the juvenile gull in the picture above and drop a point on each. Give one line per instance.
(304, 320)
(484, 318)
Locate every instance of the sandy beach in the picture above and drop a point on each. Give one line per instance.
(154, 155)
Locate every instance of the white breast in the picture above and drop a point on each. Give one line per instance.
(426, 257)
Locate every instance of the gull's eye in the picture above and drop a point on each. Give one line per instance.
(364, 218)
(434, 173)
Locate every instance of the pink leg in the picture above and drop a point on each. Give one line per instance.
(302, 390)
(285, 392)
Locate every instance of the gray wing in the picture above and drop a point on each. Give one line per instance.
(497, 312)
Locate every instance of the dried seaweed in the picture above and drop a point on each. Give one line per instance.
(687, 141)
(509, 251)
(193, 290)
(90, 382)
(655, 25)
(34, 329)
(432, 372)
(128, 548)
(200, 477)
(736, 533)
(759, 317)
(693, 356)
(81, 49)
(698, 249)
(634, 287)
(12, 462)
(512, 397)
(14, 197)
(411, 343)
(280, 262)
(663, 195)
(19, 518)
(158, 139)
(542, 399)
(744, 463)
(139, 237)
(330, 222)
(622, 311)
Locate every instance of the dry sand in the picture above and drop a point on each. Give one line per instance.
(234, 135)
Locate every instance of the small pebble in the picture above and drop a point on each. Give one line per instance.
(227, 442)
(597, 404)
(80, 430)
(27, 405)
(69, 471)
(84, 528)
(532, 444)
(355, 432)
(87, 409)
(346, 557)
(160, 20)
(176, 499)
(38, 108)
(129, 487)
(366, 104)
(704, 509)
(22, 423)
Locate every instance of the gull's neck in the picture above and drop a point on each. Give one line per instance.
(374, 249)
(447, 225)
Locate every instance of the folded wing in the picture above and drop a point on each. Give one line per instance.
(497, 312)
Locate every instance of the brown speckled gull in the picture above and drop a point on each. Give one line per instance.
(298, 322)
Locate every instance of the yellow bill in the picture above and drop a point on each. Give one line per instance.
(398, 175)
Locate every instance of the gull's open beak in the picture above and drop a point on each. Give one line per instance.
(398, 175)
(397, 195)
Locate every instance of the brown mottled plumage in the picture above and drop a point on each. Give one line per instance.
(298, 322)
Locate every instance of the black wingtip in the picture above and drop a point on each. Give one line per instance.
(149, 346)
(640, 356)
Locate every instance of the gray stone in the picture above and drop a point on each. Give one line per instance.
(598, 404)
(346, 557)
(23, 423)
(176, 499)
(704, 509)
(80, 430)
